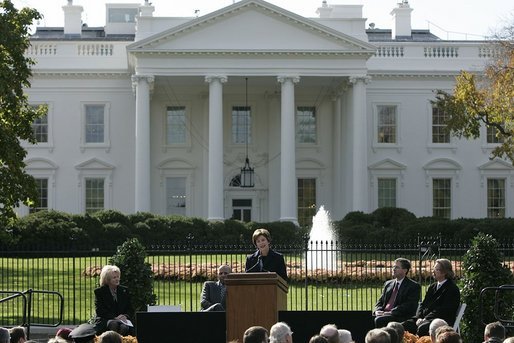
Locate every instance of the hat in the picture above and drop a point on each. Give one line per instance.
(83, 333)
(63, 332)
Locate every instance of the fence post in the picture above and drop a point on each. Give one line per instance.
(190, 238)
(306, 249)
(29, 310)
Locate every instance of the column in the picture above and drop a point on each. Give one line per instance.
(142, 85)
(337, 190)
(359, 144)
(215, 172)
(288, 183)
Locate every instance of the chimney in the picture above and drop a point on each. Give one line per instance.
(146, 10)
(324, 11)
(72, 20)
(402, 23)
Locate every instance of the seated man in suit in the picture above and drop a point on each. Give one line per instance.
(400, 297)
(441, 300)
(214, 293)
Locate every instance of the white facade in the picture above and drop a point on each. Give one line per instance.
(150, 121)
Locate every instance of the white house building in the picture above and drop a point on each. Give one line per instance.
(159, 114)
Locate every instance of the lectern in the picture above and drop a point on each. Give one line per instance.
(253, 299)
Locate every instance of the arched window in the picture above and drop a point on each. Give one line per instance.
(236, 181)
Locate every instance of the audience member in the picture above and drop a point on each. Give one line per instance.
(441, 300)
(84, 333)
(18, 334)
(509, 340)
(55, 340)
(494, 333)
(400, 331)
(280, 333)
(4, 335)
(255, 334)
(345, 336)
(448, 337)
(400, 296)
(214, 293)
(377, 336)
(112, 303)
(64, 333)
(110, 337)
(434, 325)
(330, 332)
(442, 329)
(392, 334)
(318, 339)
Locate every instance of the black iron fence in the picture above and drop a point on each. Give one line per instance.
(323, 275)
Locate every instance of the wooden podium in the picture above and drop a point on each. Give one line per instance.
(253, 299)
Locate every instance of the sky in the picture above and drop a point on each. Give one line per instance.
(449, 19)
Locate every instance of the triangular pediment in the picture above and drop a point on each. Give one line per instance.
(253, 26)
(496, 164)
(94, 164)
(387, 164)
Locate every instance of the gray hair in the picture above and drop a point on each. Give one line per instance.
(279, 332)
(345, 336)
(110, 337)
(377, 336)
(399, 329)
(106, 273)
(4, 335)
(434, 325)
(330, 332)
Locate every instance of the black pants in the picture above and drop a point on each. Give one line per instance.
(420, 330)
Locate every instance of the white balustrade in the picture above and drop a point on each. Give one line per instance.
(42, 49)
(441, 51)
(95, 49)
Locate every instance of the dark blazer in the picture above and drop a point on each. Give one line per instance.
(440, 304)
(274, 262)
(107, 308)
(211, 294)
(406, 301)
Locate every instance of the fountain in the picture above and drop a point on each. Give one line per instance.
(320, 254)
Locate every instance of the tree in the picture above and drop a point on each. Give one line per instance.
(483, 267)
(16, 114)
(486, 98)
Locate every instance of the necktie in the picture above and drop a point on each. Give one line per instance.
(390, 303)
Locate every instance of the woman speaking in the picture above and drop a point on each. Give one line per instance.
(265, 259)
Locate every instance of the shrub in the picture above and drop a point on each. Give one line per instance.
(392, 217)
(483, 267)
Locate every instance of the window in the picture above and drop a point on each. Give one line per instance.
(386, 192)
(492, 137)
(241, 124)
(94, 123)
(387, 121)
(242, 209)
(305, 124)
(94, 194)
(41, 203)
(496, 198)
(122, 15)
(439, 133)
(441, 198)
(176, 125)
(306, 201)
(40, 129)
(176, 195)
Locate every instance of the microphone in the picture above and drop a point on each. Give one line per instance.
(255, 265)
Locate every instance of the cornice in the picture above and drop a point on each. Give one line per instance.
(252, 53)
(81, 74)
(412, 74)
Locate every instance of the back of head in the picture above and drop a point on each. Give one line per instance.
(255, 334)
(57, 340)
(330, 332)
(318, 339)
(400, 331)
(442, 329)
(278, 332)
(434, 325)
(448, 337)
(110, 337)
(392, 334)
(377, 336)
(84, 333)
(345, 336)
(495, 329)
(509, 340)
(17, 333)
(4, 335)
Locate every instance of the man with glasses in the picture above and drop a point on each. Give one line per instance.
(214, 293)
(280, 333)
(400, 296)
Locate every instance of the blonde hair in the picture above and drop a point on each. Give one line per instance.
(106, 273)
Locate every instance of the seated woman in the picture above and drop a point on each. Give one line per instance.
(265, 259)
(112, 303)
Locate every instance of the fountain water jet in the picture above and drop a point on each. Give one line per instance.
(320, 254)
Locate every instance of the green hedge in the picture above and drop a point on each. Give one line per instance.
(112, 228)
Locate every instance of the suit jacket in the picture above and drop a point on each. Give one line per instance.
(107, 308)
(442, 303)
(406, 301)
(274, 262)
(211, 294)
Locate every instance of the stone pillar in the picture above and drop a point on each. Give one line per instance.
(359, 144)
(288, 182)
(215, 173)
(142, 85)
(337, 195)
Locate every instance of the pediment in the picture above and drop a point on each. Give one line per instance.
(442, 164)
(496, 164)
(309, 163)
(387, 164)
(175, 163)
(37, 163)
(94, 164)
(252, 26)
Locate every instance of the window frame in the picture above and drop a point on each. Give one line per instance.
(395, 179)
(376, 144)
(250, 126)
(106, 144)
(186, 202)
(49, 144)
(94, 168)
(451, 201)
(316, 195)
(504, 180)
(443, 168)
(187, 126)
(497, 169)
(316, 125)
